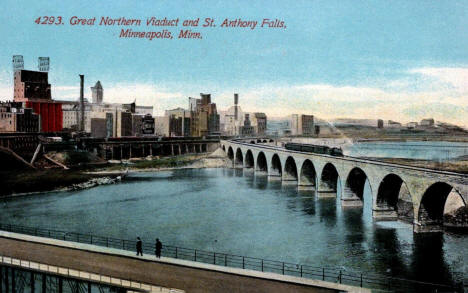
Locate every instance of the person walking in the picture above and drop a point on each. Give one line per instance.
(158, 248)
(139, 247)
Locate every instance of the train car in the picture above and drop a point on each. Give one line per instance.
(312, 148)
(336, 152)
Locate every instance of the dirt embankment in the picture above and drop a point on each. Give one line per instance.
(81, 176)
(33, 181)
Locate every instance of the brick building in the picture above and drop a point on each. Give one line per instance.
(15, 118)
(32, 89)
(205, 118)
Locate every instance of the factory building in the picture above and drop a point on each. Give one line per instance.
(15, 118)
(232, 121)
(32, 89)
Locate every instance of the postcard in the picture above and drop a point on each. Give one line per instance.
(233, 146)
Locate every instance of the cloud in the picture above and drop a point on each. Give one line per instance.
(439, 111)
(456, 77)
(396, 101)
(441, 93)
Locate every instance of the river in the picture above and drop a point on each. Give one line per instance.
(234, 211)
(424, 150)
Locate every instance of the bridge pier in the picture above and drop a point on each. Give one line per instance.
(260, 173)
(305, 187)
(427, 227)
(273, 177)
(288, 182)
(430, 199)
(326, 194)
(350, 199)
(384, 214)
(351, 202)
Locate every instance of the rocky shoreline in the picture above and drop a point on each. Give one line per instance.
(107, 176)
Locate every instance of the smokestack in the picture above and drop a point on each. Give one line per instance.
(236, 101)
(81, 102)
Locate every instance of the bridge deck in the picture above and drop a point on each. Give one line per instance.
(172, 273)
(353, 159)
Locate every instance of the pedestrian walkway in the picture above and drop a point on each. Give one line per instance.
(124, 267)
(131, 286)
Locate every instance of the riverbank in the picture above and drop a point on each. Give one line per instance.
(457, 166)
(28, 182)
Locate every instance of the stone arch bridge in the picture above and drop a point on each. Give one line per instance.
(418, 195)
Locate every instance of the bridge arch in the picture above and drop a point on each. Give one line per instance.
(262, 164)
(276, 169)
(224, 148)
(230, 153)
(239, 161)
(329, 178)
(435, 206)
(393, 194)
(355, 182)
(308, 174)
(290, 169)
(249, 159)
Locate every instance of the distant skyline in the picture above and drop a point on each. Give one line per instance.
(398, 60)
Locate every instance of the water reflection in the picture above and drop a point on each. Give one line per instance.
(249, 215)
(387, 247)
(327, 211)
(428, 262)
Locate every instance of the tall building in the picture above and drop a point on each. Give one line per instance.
(232, 119)
(179, 122)
(32, 89)
(97, 93)
(302, 124)
(161, 125)
(294, 123)
(259, 123)
(247, 129)
(205, 118)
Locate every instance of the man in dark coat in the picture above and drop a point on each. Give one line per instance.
(139, 247)
(158, 248)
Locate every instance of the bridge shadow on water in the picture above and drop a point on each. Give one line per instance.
(395, 251)
(428, 253)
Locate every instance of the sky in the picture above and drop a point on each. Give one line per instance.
(398, 60)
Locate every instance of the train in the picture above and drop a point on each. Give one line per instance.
(312, 148)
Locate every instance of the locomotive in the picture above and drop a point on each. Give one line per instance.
(312, 148)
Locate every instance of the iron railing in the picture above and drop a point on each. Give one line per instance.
(367, 280)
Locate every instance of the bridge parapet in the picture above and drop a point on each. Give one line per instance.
(414, 194)
(147, 273)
